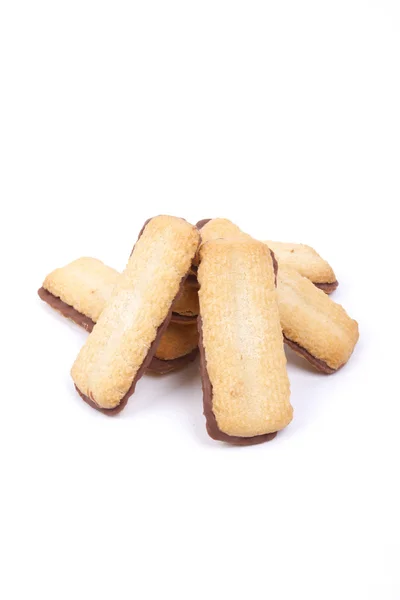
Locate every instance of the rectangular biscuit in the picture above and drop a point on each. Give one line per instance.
(245, 384)
(125, 337)
(313, 325)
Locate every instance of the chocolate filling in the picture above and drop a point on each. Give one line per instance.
(316, 362)
(162, 367)
(192, 279)
(211, 422)
(183, 319)
(157, 365)
(66, 310)
(328, 288)
(151, 364)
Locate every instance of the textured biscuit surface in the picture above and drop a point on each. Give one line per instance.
(140, 303)
(216, 229)
(242, 338)
(305, 260)
(86, 284)
(313, 321)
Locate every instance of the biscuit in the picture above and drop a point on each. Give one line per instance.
(313, 325)
(80, 290)
(214, 229)
(127, 333)
(307, 262)
(245, 384)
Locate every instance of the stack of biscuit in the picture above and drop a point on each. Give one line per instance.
(233, 298)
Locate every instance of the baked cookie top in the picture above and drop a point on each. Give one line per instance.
(86, 284)
(140, 302)
(304, 259)
(242, 337)
(312, 320)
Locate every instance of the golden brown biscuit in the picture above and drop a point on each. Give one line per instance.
(306, 261)
(245, 384)
(214, 229)
(126, 335)
(313, 325)
(86, 284)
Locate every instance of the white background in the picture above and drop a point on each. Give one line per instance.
(284, 117)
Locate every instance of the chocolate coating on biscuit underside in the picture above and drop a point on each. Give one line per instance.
(328, 288)
(157, 365)
(211, 422)
(66, 310)
(320, 365)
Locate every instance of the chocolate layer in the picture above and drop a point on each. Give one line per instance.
(157, 365)
(211, 422)
(183, 319)
(328, 288)
(275, 266)
(66, 310)
(316, 362)
(162, 367)
(202, 222)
